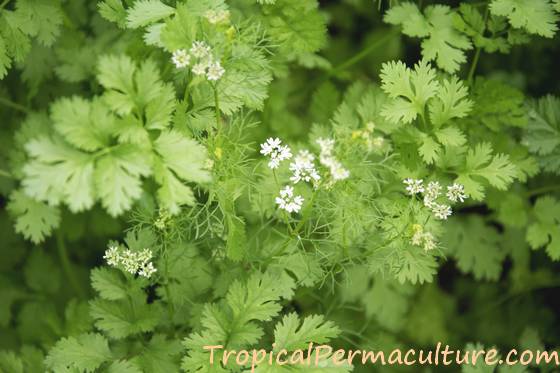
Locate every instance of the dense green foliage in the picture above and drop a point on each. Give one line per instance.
(140, 219)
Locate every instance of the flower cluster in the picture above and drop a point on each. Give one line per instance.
(303, 168)
(276, 151)
(287, 201)
(204, 63)
(366, 136)
(432, 192)
(131, 261)
(327, 159)
(422, 239)
(217, 16)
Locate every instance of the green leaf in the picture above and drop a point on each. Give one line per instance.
(109, 283)
(35, 220)
(475, 246)
(534, 16)
(113, 11)
(292, 334)
(442, 42)
(84, 353)
(145, 12)
(545, 231)
(497, 105)
(181, 159)
(84, 124)
(118, 177)
(451, 102)
(58, 172)
(543, 132)
(120, 319)
(410, 89)
(40, 18)
(480, 163)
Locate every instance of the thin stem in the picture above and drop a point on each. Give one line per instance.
(284, 214)
(474, 63)
(13, 105)
(473, 66)
(217, 107)
(7, 174)
(544, 189)
(67, 266)
(4, 3)
(363, 53)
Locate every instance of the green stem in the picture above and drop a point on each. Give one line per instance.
(67, 266)
(7, 174)
(474, 63)
(284, 214)
(217, 106)
(363, 53)
(545, 189)
(473, 66)
(14, 105)
(4, 3)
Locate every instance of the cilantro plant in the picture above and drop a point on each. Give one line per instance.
(263, 174)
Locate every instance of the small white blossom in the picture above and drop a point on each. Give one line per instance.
(431, 193)
(303, 168)
(417, 238)
(456, 192)
(130, 261)
(421, 238)
(304, 156)
(428, 242)
(112, 256)
(200, 49)
(441, 212)
(200, 68)
(326, 146)
(147, 271)
(287, 201)
(276, 151)
(217, 16)
(326, 158)
(338, 172)
(378, 141)
(414, 186)
(181, 58)
(215, 71)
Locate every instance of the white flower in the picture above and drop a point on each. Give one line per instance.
(303, 168)
(147, 271)
(326, 158)
(276, 151)
(441, 212)
(217, 16)
(287, 201)
(181, 58)
(338, 172)
(215, 71)
(112, 256)
(130, 261)
(428, 242)
(414, 186)
(327, 146)
(378, 142)
(304, 156)
(432, 192)
(200, 68)
(200, 49)
(417, 238)
(456, 192)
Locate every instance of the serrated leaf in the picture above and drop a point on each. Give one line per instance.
(85, 353)
(145, 12)
(535, 16)
(35, 220)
